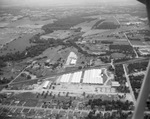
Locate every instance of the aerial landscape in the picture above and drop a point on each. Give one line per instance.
(72, 60)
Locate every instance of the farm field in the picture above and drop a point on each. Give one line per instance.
(138, 43)
(118, 55)
(86, 26)
(27, 23)
(9, 34)
(17, 45)
(59, 34)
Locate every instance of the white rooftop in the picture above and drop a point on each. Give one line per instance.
(93, 76)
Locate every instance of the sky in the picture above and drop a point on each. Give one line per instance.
(55, 2)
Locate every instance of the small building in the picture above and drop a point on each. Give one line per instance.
(72, 59)
(127, 85)
(45, 85)
(48, 60)
(115, 84)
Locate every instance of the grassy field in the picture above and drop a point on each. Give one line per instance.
(137, 43)
(93, 32)
(27, 23)
(58, 34)
(86, 26)
(17, 45)
(107, 22)
(23, 85)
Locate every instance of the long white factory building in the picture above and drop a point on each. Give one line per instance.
(93, 76)
(76, 77)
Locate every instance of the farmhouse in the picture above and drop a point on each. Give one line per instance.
(45, 85)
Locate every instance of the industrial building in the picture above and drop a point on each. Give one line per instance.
(93, 76)
(65, 78)
(76, 78)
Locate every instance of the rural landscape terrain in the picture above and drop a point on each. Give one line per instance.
(73, 61)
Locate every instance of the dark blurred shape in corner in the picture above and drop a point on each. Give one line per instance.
(145, 89)
(147, 3)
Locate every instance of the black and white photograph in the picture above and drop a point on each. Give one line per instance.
(74, 59)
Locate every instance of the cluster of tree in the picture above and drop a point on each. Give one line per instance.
(107, 42)
(148, 103)
(119, 76)
(110, 68)
(107, 115)
(4, 80)
(122, 59)
(2, 64)
(147, 116)
(72, 43)
(56, 100)
(136, 82)
(123, 89)
(134, 39)
(110, 105)
(107, 25)
(78, 29)
(103, 58)
(144, 32)
(147, 39)
(136, 67)
(119, 72)
(23, 77)
(35, 38)
(127, 49)
(41, 45)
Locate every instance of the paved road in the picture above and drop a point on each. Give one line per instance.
(117, 20)
(19, 74)
(140, 59)
(131, 45)
(130, 87)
